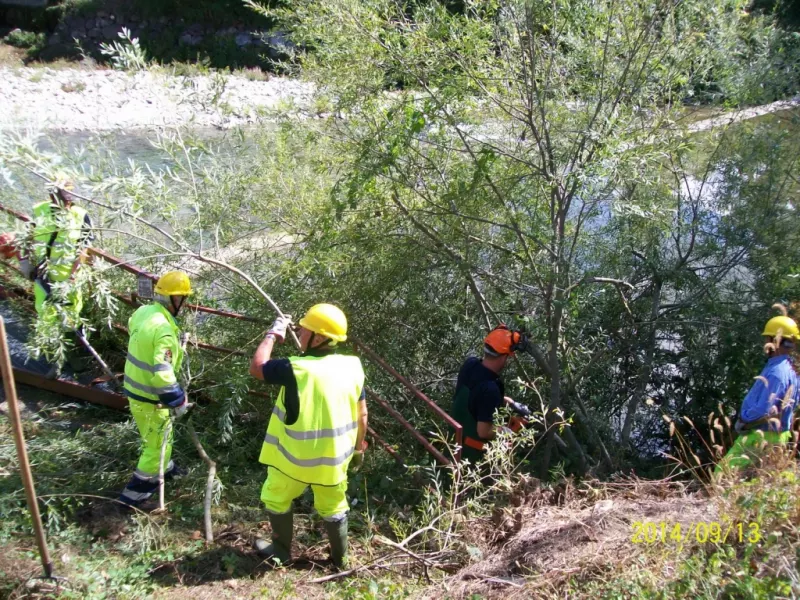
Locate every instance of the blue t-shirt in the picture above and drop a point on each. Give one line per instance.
(778, 375)
(486, 389)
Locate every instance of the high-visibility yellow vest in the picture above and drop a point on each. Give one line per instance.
(154, 354)
(317, 448)
(67, 224)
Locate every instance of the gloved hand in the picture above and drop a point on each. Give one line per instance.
(181, 410)
(280, 326)
(520, 409)
(183, 339)
(356, 461)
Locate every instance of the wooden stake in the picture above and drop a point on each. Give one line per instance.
(22, 453)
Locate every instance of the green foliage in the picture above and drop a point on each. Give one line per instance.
(25, 39)
(127, 55)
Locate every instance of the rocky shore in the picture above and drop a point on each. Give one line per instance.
(104, 99)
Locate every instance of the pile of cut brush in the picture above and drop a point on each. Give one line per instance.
(548, 535)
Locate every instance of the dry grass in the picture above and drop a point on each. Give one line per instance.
(548, 537)
(11, 56)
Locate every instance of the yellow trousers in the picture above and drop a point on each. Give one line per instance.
(748, 446)
(151, 422)
(280, 490)
(47, 311)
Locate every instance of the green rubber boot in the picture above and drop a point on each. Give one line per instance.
(280, 550)
(337, 536)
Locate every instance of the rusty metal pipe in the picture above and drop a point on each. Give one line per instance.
(441, 458)
(392, 452)
(71, 389)
(200, 345)
(432, 406)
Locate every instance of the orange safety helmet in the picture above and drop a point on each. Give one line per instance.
(501, 340)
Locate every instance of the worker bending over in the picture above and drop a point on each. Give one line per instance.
(62, 232)
(768, 408)
(480, 391)
(154, 358)
(316, 429)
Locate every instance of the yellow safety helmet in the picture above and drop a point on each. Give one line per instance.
(174, 283)
(783, 326)
(327, 320)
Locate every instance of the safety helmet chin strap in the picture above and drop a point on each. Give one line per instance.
(325, 344)
(177, 307)
(168, 302)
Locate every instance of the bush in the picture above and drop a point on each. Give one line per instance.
(25, 39)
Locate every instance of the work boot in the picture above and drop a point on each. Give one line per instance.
(176, 472)
(280, 550)
(337, 536)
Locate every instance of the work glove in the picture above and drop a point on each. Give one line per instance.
(357, 461)
(181, 410)
(520, 409)
(280, 326)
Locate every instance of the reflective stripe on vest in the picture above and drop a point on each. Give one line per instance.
(317, 448)
(148, 370)
(145, 367)
(66, 245)
(148, 389)
(316, 434)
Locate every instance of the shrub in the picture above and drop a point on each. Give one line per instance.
(25, 39)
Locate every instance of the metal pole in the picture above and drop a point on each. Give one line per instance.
(22, 453)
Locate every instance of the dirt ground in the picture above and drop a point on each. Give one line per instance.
(545, 540)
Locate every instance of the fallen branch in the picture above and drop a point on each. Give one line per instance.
(186, 251)
(425, 562)
(212, 474)
(378, 562)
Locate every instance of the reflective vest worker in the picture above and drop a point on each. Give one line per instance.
(768, 408)
(61, 234)
(154, 358)
(316, 429)
(480, 391)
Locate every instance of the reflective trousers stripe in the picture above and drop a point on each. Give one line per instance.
(145, 367)
(315, 434)
(321, 461)
(135, 496)
(139, 474)
(148, 389)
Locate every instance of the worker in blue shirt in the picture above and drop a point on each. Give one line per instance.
(768, 408)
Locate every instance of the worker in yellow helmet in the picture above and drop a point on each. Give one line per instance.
(316, 430)
(154, 358)
(61, 234)
(768, 408)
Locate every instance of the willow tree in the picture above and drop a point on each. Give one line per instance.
(503, 138)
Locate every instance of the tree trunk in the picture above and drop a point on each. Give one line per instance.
(555, 385)
(646, 368)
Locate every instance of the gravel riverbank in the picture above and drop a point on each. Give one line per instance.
(78, 99)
